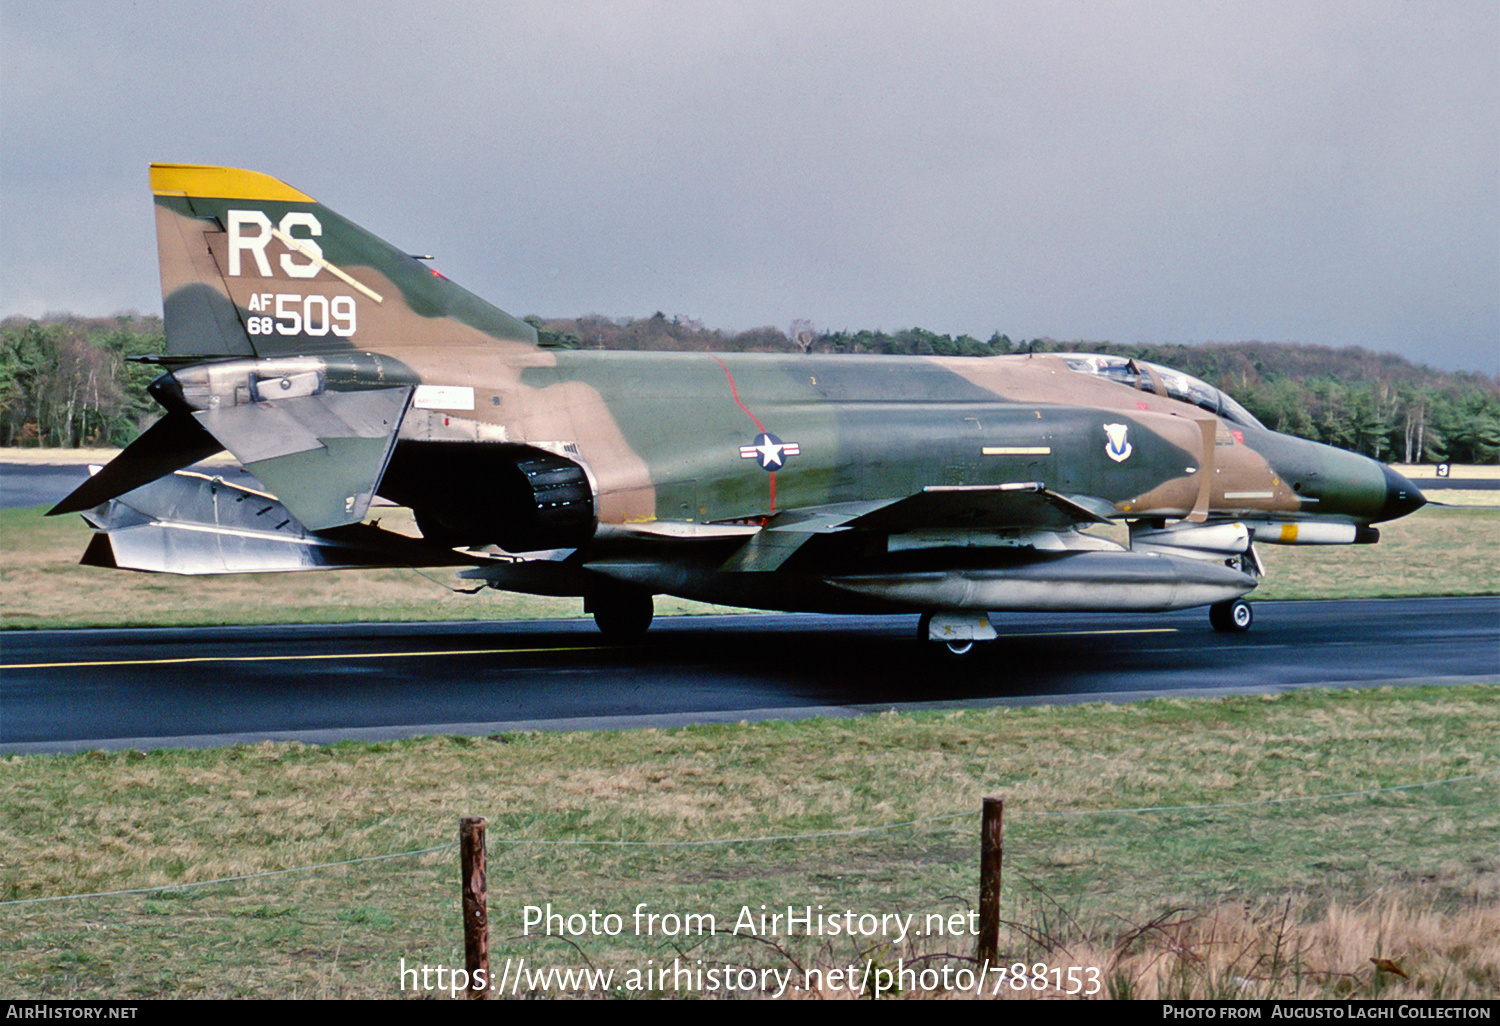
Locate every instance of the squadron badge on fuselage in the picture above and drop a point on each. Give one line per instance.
(1118, 447)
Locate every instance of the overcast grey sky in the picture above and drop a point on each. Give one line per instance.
(1157, 171)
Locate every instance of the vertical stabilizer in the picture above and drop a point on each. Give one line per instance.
(252, 267)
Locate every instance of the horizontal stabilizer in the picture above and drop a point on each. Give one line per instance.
(174, 442)
(189, 523)
(322, 455)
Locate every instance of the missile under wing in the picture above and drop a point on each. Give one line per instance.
(341, 370)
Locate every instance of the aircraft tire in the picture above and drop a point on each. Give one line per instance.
(623, 614)
(1232, 617)
(951, 649)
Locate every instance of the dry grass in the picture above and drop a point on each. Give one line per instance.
(1385, 948)
(1288, 951)
(1435, 551)
(1188, 898)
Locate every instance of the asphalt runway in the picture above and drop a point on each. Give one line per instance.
(63, 691)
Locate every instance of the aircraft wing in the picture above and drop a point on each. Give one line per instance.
(1019, 505)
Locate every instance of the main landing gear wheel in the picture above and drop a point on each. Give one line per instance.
(956, 649)
(621, 614)
(1232, 617)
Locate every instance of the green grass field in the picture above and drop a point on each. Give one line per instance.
(1274, 840)
(1240, 847)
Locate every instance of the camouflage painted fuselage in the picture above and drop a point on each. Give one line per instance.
(338, 368)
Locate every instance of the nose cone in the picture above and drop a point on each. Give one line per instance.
(1401, 497)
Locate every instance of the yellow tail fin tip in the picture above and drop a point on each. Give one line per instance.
(221, 183)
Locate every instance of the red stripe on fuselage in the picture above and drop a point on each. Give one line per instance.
(734, 391)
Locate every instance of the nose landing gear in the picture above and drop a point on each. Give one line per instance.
(1232, 617)
(956, 634)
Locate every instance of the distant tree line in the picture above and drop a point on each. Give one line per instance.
(1379, 404)
(66, 381)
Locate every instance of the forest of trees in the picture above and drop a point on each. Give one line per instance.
(66, 381)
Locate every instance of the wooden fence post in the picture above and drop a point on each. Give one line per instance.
(476, 905)
(991, 851)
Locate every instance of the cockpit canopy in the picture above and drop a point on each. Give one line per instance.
(1154, 378)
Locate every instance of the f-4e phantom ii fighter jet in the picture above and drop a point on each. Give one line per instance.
(338, 368)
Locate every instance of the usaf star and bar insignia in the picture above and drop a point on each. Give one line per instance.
(769, 451)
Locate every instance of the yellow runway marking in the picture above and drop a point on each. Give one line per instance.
(1065, 634)
(446, 652)
(293, 658)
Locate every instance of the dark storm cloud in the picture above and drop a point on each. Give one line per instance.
(1315, 172)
